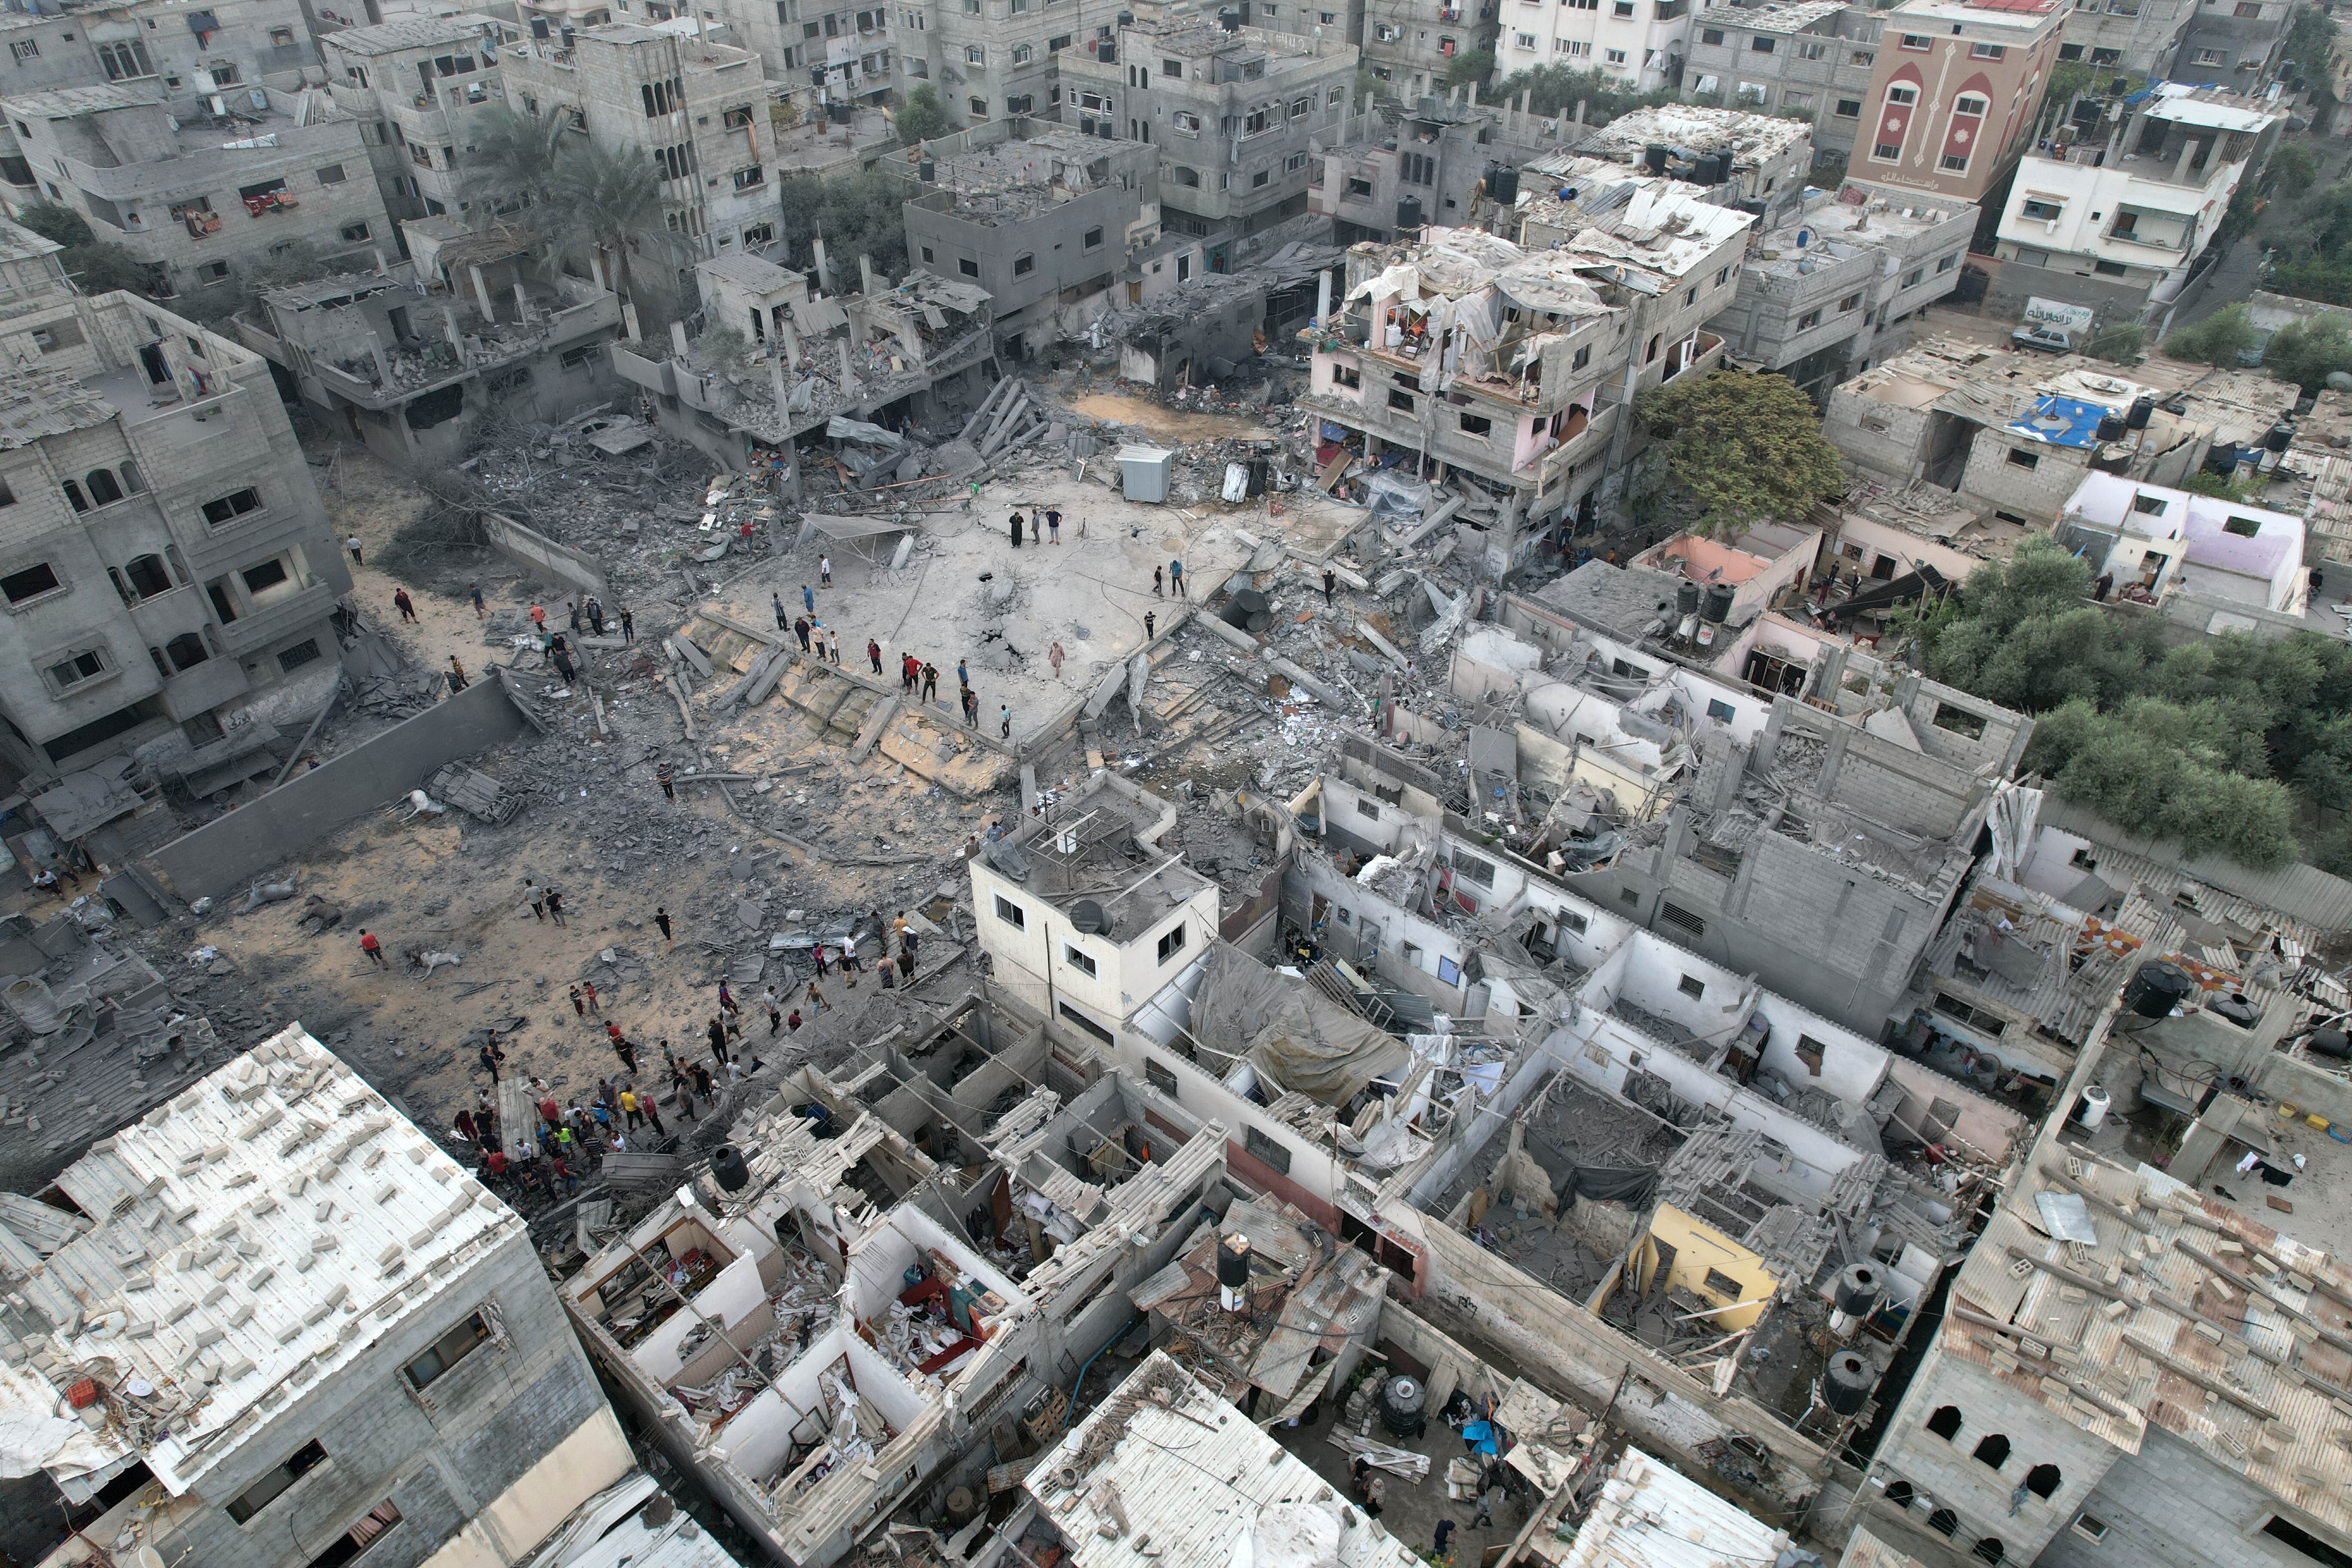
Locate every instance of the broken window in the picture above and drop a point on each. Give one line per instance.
(30, 583)
(1260, 1147)
(268, 1488)
(1722, 1285)
(448, 1352)
(1159, 1076)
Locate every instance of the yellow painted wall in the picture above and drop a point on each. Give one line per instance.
(515, 1521)
(1699, 1247)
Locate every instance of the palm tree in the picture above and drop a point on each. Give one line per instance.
(514, 161)
(605, 203)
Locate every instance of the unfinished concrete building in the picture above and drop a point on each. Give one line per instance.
(198, 191)
(1410, 49)
(1835, 286)
(2017, 434)
(816, 1330)
(172, 579)
(1233, 113)
(1555, 344)
(412, 359)
(311, 1333)
(786, 362)
(1808, 59)
(1442, 161)
(699, 110)
(1043, 218)
(2140, 39)
(422, 87)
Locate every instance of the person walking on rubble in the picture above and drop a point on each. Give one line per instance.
(1176, 578)
(874, 655)
(1005, 712)
(474, 591)
(808, 599)
(653, 1114)
(372, 948)
(1053, 656)
(405, 605)
(964, 676)
(555, 905)
(667, 780)
(778, 600)
(931, 682)
(801, 630)
(775, 1011)
(634, 1117)
(574, 606)
(490, 1055)
(595, 615)
(579, 1003)
(824, 570)
(565, 669)
(970, 708)
(457, 682)
(833, 645)
(717, 1033)
(661, 919)
(1330, 582)
(1016, 525)
(1158, 583)
(1150, 624)
(816, 996)
(535, 896)
(629, 626)
(1053, 524)
(726, 1000)
(588, 989)
(353, 544)
(539, 616)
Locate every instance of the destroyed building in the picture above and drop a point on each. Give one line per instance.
(1841, 279)
(1385, 167)
(1740, 158)
(171, 580)
(819, 1326)
(199, 191)
(287, 1326)
(412, 358)
(422, 86)
(1517, 367)
(785, 362)
(2149, 537)
(1802, 57)
(2137, 1360)
(1044, 219)
(2017, 434)
(2115, 222)
(697, 109)
(1232, 113)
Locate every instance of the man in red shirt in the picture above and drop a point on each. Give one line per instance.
(372, 948)
(551, 1113)
(496, 1164)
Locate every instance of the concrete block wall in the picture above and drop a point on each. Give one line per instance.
(1884, 437)
(2037, 494)
(2170, 1506)
(1988, 1499)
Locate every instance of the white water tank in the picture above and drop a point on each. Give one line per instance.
(2094, 1109)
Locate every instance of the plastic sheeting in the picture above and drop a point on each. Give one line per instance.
(1295, 1037)
(1629, 1185)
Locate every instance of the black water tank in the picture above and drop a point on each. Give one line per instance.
(1234, 1262)
(1503, 182)
(1409, 212)
(1091, 917)
(2238, 1008)
(1404, 1406)
(926, 171)
(2223, 460)
(2157, 988)
(1231, 21)
(2142, 406)
(2111, 427)
(1653, 157)
(1708, 169)
(2333, 1044)
(1687, 598)
(2280, 434)
(727, 1169)
(1717, 605)
(539, 28)
(1857, 1288)
(1847, 1382)
(1248, 609)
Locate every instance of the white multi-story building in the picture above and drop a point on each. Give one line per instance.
(1641, 43)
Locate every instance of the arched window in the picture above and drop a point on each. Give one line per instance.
(2042, 1481)
(1943, 1521)
(133, 481)
(104, 488)
(148, 576)
(73, 494)
(1899, 1493)
(1993, 1451)
(187, 651)
(1946, 1423)
(1989, 1550)
(1184, 176)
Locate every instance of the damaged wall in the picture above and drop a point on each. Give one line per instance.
(215, 857)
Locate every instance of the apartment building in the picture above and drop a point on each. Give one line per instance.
(1609, 314)
(2117, 226)
(1410, 47)
(313, 1336)
(419, 86)
(170, 576)
(1442, 161)
(993, 58)
(2233, 44)
(2137, 37)
(1830, 290)
(1233, 110)
(1641, 43)
(1812, 57)
(1954, 93)
(847, 52)
(699, 109)
(1758, 162)
(198, 191)
(183, 52)
(1046, 220)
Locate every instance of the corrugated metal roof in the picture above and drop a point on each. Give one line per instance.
(256, 1234)
(1647, 1516)
(2186, 1315)
(36, 402)
(1177, 1484)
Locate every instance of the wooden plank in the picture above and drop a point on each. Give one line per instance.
(1333, 469)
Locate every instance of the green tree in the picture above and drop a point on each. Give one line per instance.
(1741, 449)
(2309, 37)
(1470, 68)
(605, 203)
(2291, 169)
(60, 224)
(95, 266)
(855, 214)
(511, 169)
(922, 116)
(1558, 90)
(2119, 344)
(2218, 340)
(2306, 352)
